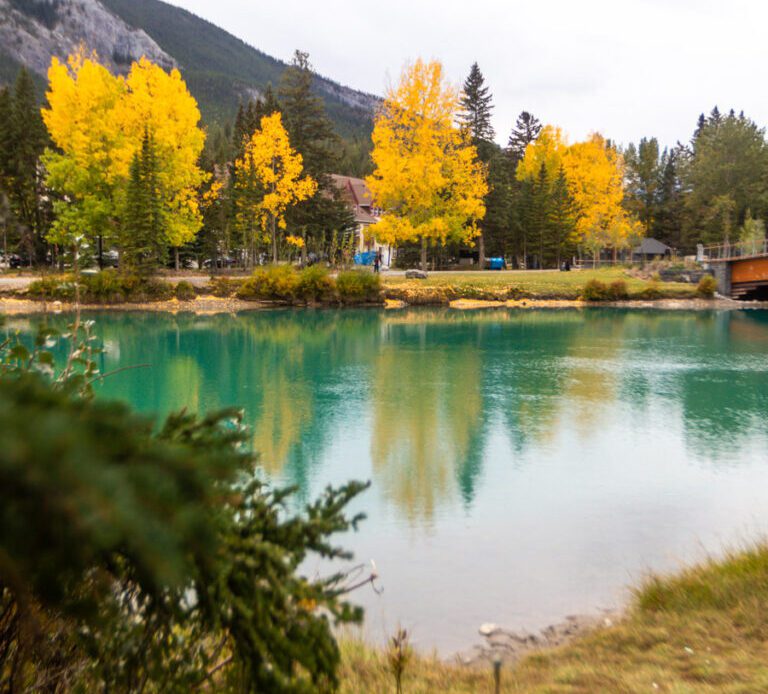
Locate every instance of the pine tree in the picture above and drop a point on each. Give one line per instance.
(475, 116)
(643, 177)
(561, 220)
(476, 106)
(526, 130)
(540, 211)
(266, 105)
(144, 238)
(29, 138)
(312, 135)
(496, 223)
(669, 215)
(6, 137)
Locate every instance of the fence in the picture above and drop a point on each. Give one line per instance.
(741, 249)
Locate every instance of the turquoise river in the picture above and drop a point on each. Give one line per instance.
(525, 465)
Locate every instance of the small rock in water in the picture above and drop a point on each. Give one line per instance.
(415, 275)
(488, 629)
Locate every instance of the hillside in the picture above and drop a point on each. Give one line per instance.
(219, 68)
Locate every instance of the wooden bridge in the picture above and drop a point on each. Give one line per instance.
(741, 269)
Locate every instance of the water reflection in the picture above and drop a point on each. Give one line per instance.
(420, 393)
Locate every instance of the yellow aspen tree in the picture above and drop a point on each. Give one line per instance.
(595, 173)
(427, 178)
(548, 149)
(82, 96)
(268, 177)
(97, 122)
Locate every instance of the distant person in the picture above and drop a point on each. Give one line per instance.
(377, 262)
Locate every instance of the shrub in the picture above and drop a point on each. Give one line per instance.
(652, 291)
(707, 287)
(358, 287)
(52, 289)
(106, 287)
(275, 282)
(617, 291)
(595, 290)
(224, 287)
(185, 291)
(315, 284)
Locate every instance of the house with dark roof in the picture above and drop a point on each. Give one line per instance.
(358, 196)
(651, 249)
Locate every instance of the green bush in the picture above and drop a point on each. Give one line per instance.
(107, 287)
(358, 287)
(52, 289)
(651, 291)
(595, 290)
(617, 291)
(224, 287)
(707, 287)
(185, 291)
(315, 284)
(274, 282)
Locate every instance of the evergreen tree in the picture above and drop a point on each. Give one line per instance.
(144, 237)
(561, 221)
(475, 116)
(643, 179)
(541, 207)
(496, 223)
(6, 137)
(724, 175)
(28, 138)
(669, 215)
(312, 135)
(526, 130)
(266, 105)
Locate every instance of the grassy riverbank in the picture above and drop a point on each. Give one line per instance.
(521, 284)
(702, 630)
(315, 286)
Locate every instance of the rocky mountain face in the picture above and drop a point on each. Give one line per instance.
(31, 31)
(220, 69)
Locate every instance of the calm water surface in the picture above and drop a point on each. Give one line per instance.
(525, 465)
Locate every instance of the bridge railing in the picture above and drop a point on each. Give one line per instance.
(742, 249)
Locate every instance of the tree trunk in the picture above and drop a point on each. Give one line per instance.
(424, 253)
(176, 259)
(481, 252)
(274, 239)
(304, 249)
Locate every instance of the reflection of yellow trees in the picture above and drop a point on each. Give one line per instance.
(286, 414)
(181, 376)
(427, 406)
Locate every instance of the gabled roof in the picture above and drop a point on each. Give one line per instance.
(652, 247)
(355, 188)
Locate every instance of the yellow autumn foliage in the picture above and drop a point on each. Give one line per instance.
(594, 171)
(427, 176)
(269, 179)
(548, 149)
(97, 122)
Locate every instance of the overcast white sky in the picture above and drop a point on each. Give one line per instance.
(627, 68)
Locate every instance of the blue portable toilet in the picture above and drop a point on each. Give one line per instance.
(496, 263)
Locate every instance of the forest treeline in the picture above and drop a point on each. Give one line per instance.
(124, 164)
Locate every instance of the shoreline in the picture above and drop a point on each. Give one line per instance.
(210, 305)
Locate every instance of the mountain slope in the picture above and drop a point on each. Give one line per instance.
(220, 69)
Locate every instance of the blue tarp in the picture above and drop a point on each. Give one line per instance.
(365, 258)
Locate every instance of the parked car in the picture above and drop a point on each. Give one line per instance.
(221, 262)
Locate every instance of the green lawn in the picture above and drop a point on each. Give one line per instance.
(544, 284)
(702, 631)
